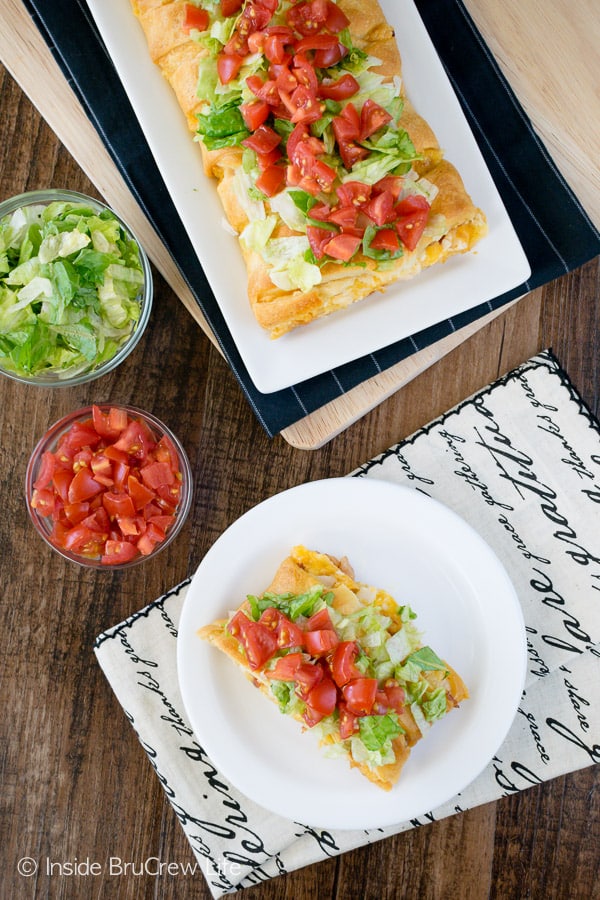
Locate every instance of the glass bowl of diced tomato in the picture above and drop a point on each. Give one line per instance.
(108, 486)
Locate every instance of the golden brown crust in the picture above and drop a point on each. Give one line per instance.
(300, 571)
(463, 226)
(280, 310)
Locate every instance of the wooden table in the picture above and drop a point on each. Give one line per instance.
(75, 782)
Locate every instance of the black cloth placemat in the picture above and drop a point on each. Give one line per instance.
(555, 231)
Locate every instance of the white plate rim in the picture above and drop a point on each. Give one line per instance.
(467, 730)
(497, 265)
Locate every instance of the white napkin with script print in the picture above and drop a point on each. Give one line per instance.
(520, 461)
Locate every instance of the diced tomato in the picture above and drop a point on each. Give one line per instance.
(393, 183)
(372, 118)
(286, 667)
(256, 42)
(263, 140)
(311, 716)
(82, 459)
(254, 113)
(81, 434)
(131, 526)
(102, 469)
(319, 620)
(343, 246)
(259, 642)
(381, 704)
(263, 90)
(359, 695)
(114, 454)
(412, 203)
(300, 142)
(230, 7)
(347, 123)
(351, 153)
(304, 73)
(109, 424)
(316, 42)
(120, 474)
(83, 486)
(148, 540)
(82, 539)
(98, 520)
(255, 16)
(43, 500)
(275, 44)
(380, 208)
(266, 160)
(353, 193)
(139, 493)
(343, 663)
(77, 512)
(344, 216)
(320, 642)
(156, 474)
(395, 695)
(285, 80)
(386, 239)
(95, 487)
(307, 676)
(228, 66)
(118, 504)
(168, 495)
(46, 470)
(346, 86)
(287, 632)
(348, 722)
(302, 105)
(61, 480)
(154, 509)
(118, 552)
(336, 19)
(135, 440)
(323, 697)
(308, 17)
(163, 522)
(410, 226)
(329, 56)
(317, 239)
(194, 17)
(237, 45)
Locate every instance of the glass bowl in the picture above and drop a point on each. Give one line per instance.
(108, 486)
(80, 297)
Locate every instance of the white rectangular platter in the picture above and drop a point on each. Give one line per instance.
(497, 264)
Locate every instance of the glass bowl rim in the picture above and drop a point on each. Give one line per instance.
(50, 438)
(50, 195)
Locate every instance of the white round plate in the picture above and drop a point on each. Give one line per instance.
(424, 555)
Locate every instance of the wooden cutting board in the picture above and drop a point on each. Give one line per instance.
(550, 54)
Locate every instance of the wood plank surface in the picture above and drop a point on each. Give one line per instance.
(75, 782)
(550, 55)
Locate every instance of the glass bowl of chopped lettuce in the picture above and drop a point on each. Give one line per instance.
(75, 288)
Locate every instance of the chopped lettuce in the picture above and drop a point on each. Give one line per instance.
(70, 283)
(427, 660)
(288, 700)
(222, 126)
(292, 605)
(434, 707)
(377, 732)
